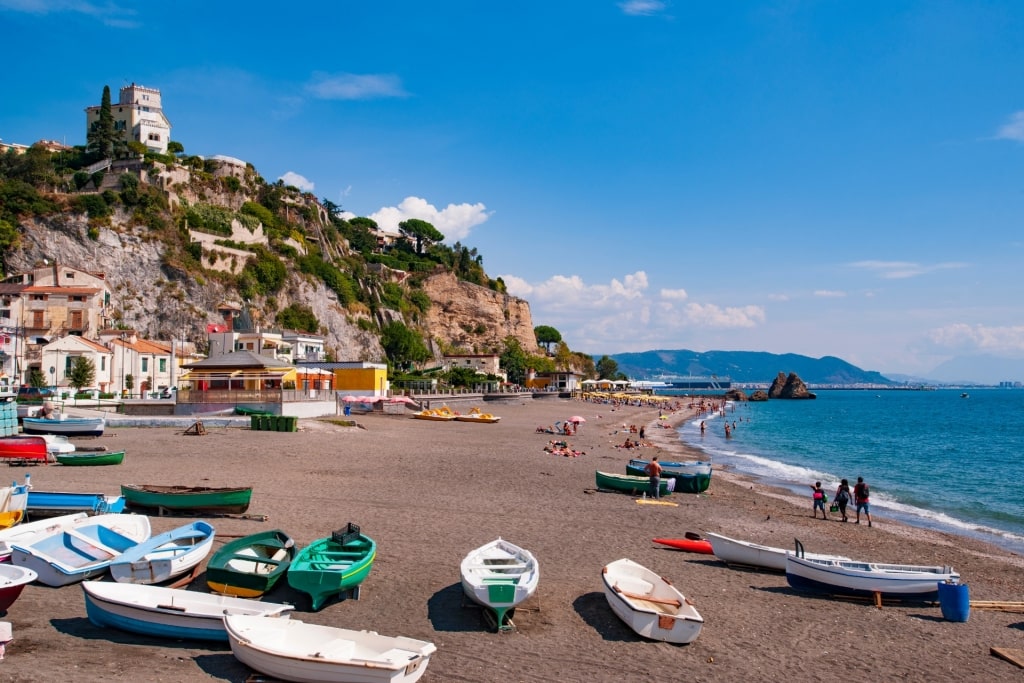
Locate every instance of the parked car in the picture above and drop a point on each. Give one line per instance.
(35, 393)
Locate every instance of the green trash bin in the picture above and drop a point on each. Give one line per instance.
(291, 423)
(266, 423)
(254, 422)
(280, 423)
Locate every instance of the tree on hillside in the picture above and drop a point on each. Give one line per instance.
(403, 346)
(175, 147)
(547, 336)
(419, 232)
(101, 135)
(563, 356)
(608, 368)
(513, 361)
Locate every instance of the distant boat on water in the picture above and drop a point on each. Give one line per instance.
(693, 381)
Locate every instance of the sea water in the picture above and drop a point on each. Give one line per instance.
(938, 459)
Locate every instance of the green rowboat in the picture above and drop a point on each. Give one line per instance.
(99, 458)
(630, 484)
(333, 566)
(233, 500)
(691, 477)
(248, 567)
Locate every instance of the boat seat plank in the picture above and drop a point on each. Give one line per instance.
(649, 598)
(485, 565)
(255, 560)
(91, 543)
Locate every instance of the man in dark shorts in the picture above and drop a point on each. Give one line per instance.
(861, 494)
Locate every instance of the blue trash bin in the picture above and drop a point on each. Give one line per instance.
(955, 601)
(348, 410)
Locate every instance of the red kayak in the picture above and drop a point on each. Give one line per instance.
(688, 544)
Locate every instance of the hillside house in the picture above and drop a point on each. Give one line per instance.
(138, 117)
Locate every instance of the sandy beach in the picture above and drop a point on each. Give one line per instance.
(428, 492)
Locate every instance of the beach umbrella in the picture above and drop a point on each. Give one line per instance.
(576, 419)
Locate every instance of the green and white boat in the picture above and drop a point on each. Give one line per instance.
(634, 485)
(499, 575)
(248, 567)
(333, 566)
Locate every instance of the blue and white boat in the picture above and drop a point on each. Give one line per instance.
(169, 612)
(164, 556)
(49, 503)
(26, 532)
(68, 426)
(81, 550)
(848, 577)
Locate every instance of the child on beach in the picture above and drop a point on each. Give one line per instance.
(819, 501)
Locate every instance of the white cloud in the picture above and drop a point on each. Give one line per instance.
(345, 86)
(109, 13)
(828, 293)
(623, 314)
(674, 294)
(1012, 129)
(778, 297)
(644, 8)
(292, 178)
(897, 270)
(964, 338)
(454, 221)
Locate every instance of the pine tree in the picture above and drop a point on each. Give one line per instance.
(101, 134)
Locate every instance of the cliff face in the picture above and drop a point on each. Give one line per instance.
(162, 302)
(474, 318)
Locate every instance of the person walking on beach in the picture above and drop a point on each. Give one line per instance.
(653, 470)
(843, 497)
(819, 501)
(861, 494)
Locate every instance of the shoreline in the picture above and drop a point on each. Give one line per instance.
(429, 492)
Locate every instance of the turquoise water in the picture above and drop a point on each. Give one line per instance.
(932, 458)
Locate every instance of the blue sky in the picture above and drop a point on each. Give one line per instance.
(823, 178)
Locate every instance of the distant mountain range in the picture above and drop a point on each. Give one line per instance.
(745, 366)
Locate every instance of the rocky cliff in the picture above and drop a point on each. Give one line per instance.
(476, 319)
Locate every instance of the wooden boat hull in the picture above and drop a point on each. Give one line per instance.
(499, 576)
(82, 550)
(691, 477)
(165, 556)
(630, 484)
(50, 503)
(649, 604)
(91, 459)
(292, 650)
(326, 568)
(12, 581)
(732, 551)
(837, 577)
(69, 426)
(690, 545)
(249, 567)
(169, 612)
(24, 533)
(229, 500)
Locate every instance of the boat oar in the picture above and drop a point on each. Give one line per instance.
(649, 598)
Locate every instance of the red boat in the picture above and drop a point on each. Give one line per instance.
(23, 448)
(692, 545)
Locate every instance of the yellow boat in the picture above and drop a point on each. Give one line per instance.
(442, 414)
(476, 416)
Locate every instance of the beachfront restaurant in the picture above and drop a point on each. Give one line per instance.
(254, 383)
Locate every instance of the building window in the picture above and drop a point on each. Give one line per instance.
(103, 363)
(155, 137)
(145, 365)
(70, 275)
(163, 365)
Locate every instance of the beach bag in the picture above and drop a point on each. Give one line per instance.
(843, 496)
(834, 507)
